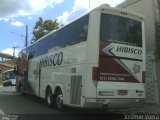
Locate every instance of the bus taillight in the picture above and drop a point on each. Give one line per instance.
(143, 77)
(95, 73)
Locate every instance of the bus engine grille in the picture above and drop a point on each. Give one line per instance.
(76, 88)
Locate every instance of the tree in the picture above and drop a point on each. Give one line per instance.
(42, 28)
(50, 25)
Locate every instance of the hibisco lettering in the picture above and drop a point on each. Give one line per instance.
(121, 50)
(129, 50)
(51, 60)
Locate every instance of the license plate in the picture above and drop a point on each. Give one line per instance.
(122, 92)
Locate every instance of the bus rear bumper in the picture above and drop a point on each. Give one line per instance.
(114, 103)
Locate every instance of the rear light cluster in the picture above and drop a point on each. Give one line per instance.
(143, 76)
(95, 73)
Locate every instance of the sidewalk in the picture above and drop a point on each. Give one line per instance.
(149, 108)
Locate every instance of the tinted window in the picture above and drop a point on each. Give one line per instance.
(12, 75)
(121, 30)
(54, 42)
(75, 32)
(6, 76)
(32, 49)
(71, 34)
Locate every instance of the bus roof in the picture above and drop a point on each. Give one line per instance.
(101, 7)
(106, 7)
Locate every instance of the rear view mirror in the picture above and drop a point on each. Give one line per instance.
(16, 72)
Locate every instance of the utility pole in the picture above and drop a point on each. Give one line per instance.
(26, 37)
(14, 49)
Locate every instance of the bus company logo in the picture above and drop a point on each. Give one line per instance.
(51, 60)
(136, 68)
(129, 50)
(121, 50)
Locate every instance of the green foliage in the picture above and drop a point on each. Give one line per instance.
(157, 26)
(42, 28)
(11, 62)
(50, 25)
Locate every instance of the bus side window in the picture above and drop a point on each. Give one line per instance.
(83, 33)
(75, 32)
(6, 76)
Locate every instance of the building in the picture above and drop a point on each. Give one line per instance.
(150, 9)
(5, 57)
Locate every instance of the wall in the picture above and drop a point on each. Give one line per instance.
(150, 10)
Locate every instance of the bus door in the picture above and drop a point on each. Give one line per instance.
(39, 81)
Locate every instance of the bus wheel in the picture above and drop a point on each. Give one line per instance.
(59, 100)
(49, 97)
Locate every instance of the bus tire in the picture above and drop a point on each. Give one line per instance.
(59, 100)
(49, 97)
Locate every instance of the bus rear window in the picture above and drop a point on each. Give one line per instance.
(119, 29)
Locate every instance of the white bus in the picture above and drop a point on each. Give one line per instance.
(8, 78)
(96, 61)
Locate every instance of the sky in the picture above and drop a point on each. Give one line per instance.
(16, 14)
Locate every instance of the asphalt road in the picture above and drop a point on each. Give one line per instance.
(17, 107)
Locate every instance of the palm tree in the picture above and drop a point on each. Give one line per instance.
(42, 28)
